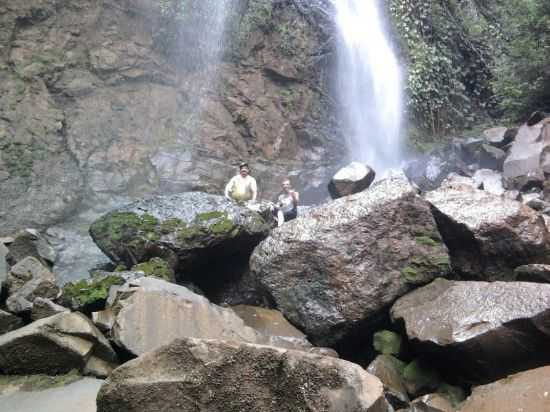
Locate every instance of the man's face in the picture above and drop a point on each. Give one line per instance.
(286, 186)
(244, 172)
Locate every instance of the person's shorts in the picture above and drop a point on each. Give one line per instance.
(290, 215)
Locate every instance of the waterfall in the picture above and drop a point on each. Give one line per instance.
(369, 85)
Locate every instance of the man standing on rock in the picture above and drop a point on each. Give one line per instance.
(242, 187)
(287, 203)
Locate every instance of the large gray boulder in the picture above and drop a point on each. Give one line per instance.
(487, 235)
(499, 136)
(218, 376)
(147, 313)
(525, 391)
(190, 230)
(337, 267)
(29, 279)
(30, 242)
(56, 345)
(524, 166)
(481, 331)
(489, 180)
(353, 178)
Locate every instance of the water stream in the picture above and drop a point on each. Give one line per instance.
(369, 85)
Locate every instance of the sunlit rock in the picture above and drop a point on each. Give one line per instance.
(340, 265)
(524, 168)
(55, 345)
(44, 308)
(487, 235)
(221, 376)
(389, 370)
(489, 180)
(525, 391)
(147, 313)
(353, 178)
(480, 331)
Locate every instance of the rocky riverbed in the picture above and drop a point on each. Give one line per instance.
(391, 298)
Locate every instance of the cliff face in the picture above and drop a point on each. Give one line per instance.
(93, 107)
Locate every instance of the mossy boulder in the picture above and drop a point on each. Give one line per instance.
(191, 231)
(419, 377)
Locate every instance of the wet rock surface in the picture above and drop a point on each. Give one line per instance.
(482, 331)
(191, 231)
(352, 178)
(388, 369)
(44, 308)
(56, 345)
(276, 380)
(9, 322)
(487, 235)
(527, 391)
(343, 262)
(148, 313)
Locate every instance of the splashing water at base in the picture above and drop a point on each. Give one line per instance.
(369, 85)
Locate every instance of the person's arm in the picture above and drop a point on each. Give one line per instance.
(295, 198)
(229, 187)
(254, 189)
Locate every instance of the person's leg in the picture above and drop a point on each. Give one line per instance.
(280, 218)
(290, 215)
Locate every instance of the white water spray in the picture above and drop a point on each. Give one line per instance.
(369, 84)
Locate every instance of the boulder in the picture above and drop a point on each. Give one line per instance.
(353, 178)
(525, 391)
(9, 322)
(218, 376)
(30, 242)
(490, 157)
(147, 313)
(433, 402)
(333, 270)
(44, 308)
(55, 345)
(28, 280)
(489, 180)
(499, 136)
(191, 231)
(389, 370)
(487, 235)
(480, 331)
(533, 273)
(523, 167)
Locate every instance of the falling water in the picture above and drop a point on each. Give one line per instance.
(369, 84)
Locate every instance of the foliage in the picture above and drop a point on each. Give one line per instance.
(522, 64)
(449, 76)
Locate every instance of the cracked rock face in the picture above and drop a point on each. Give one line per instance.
(487, 235)
(56, 345)
(196, 374)
(481, 331)
(338, 266)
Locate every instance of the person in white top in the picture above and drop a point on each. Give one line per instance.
(242, 187)
(287, 203)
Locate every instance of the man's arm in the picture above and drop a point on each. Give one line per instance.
(295, 197)
(228, 188)
(254, 189)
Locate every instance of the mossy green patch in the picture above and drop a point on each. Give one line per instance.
(123, 225)
(420, 376)
(32, 383)
(387, 342)
(426, 241)
(171, 225)
(87, 292)
(156, 267)
(215, 214)
(422, 268)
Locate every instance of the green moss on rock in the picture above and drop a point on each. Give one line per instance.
(156, 267)
(426, 241)
(387, 342)
(455, 394)
(89, 293)
(418, 376)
